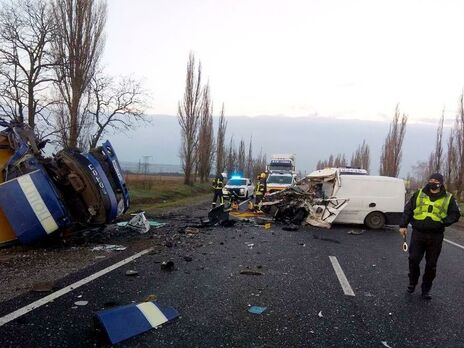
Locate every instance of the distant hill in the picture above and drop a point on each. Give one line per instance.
(310, 138)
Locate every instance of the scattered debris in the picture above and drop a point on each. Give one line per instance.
(139, 223)
(256, 309)
(250, 245)
(291, 228)
(43, 287)
(385, 344)
(268, 226)
(81, 303)
(356, 233)
(131, 272)
(121, 323)
(109, 247)
(218, 215)
(188, 258)
(320, 314)
(250, 272)
(191, 230)
(167, 265)
(150, 298)
(152, 223)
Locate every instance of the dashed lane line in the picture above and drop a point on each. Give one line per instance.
(341, 276)
(26, 309)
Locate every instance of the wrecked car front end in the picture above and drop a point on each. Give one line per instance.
(308, 202)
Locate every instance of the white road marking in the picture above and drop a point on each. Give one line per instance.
(26, 309)
(453, 243)
(341, 276)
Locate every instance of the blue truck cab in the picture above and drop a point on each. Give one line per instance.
(41, 195)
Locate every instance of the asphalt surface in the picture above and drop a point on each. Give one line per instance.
(306, 306)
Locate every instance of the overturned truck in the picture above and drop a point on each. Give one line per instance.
(40, 195)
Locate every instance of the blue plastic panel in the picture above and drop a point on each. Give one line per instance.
(127, 321)
(32, 206)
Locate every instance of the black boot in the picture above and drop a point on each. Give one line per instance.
(426, 294)
(411, 288)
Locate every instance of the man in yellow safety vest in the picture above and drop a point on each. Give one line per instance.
(429, 211)
(260, 189)
(218, 185)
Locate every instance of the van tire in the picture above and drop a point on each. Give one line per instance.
(375, 220)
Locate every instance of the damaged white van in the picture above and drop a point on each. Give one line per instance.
(375, 201)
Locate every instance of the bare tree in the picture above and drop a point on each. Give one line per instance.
(78, 48)
(114, 105)
(392, 149)
(220, 140)
(459, 147)
(451, 163)
(436, 156)
(249, 160)
(241, 156)
(361, 157)
(188, 115)
(231, 161)
(259, 164)
(205, 137)
(26, 63)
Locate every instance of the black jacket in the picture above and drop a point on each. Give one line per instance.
(428, 225)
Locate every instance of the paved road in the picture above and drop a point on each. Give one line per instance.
(306, 305)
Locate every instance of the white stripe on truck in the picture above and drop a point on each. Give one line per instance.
(37, 204)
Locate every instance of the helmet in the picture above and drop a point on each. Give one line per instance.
(263, 175)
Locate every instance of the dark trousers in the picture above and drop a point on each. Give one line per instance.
(430, 244)
(218, 195)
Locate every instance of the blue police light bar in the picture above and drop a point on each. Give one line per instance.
(236, 177)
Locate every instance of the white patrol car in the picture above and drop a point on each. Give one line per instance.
(242, 187)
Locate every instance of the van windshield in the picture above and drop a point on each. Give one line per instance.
(279, 179)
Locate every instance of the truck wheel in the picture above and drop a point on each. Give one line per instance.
(375, 220)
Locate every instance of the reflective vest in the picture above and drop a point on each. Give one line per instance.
(260, 188)
(218, 184)
(439, 210)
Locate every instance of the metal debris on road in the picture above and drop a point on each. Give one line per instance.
(109, 247)
(150, 298)
(356, 232)
(43, 287)
(291, 228)
(250, 272)
(124, 322)
(167, 265)
(385, 344)
(191, 230)
(256, 309)
(320, 314)
(138, 223)
(81, 303)
(131, 272)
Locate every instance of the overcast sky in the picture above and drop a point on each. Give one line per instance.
(345, 58)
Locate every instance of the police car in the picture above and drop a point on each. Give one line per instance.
(241, 187)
